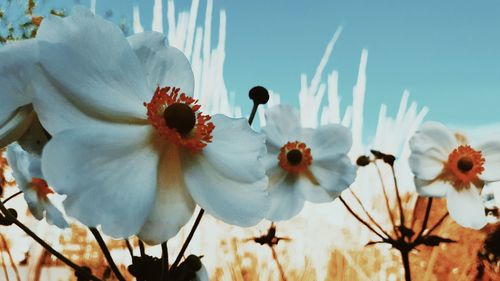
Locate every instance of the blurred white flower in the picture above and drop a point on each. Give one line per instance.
(304, 164)
(18, 74)
(131, 148)
(445, 165)
(26, 169)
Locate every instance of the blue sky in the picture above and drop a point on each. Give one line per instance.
(447, 53)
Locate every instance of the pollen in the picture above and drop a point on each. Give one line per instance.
(177, 119)
(295, 157)
(463, 167)
(41, 188)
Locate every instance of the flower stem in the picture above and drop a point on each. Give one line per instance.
(188, 239)
(12, 196)
(142, 249)
(406, 264)
(386, 198)
(164, 259)
(361, 220)
(4, 267)
(426, 218)
(106, 253)
(252, 114)
(39, 240)
(278, 264)
(400, 205)
(440, 221)
(368, 214)
(129, 247)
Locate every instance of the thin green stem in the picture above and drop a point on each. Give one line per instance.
(361, 220)
(106, 253)
(386, 199)
(426, 218)
(278, 264)
(368, 214)
(400, 204)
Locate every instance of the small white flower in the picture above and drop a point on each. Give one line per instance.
(445, 165)
(18, 74)
(26, 169)
(304, 164)
(131, 151)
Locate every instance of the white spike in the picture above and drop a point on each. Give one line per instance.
(157, 16)
(358, 100)
(93, 6)
(136, 20)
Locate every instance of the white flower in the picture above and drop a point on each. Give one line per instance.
(26, 169)
(129, 149)
(304, 164)
(18, 74)
(445, 165)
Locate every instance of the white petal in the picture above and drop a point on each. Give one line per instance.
(227, 178)
(330, 141)
(17, 60)
(431, 146)
(286, 200)
(91, 72)
(466, 207)
(54, 216)
(173, 206)
(491, 154)
(35, 205)
(432, 188)
(282, 125)
(334, 175)
(163, 65)
(20, 162)
(109, 174)
(15, 124)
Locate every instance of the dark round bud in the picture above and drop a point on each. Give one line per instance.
(180, 116)
(389, 159)
(465, 164)
(363, 160)
(294, 157)
(6, 221)
(81, 276)
(193, 263)
(13, 212)
(259, 95)
(377, 154)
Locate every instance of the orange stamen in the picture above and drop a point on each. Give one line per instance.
(199, 136)
(41, 187)
(463, 167)
(295, 147)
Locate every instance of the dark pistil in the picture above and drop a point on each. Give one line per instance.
(180, 117)
(465, 164)
(294, 157)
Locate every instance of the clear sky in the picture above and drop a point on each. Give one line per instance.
(446, 53)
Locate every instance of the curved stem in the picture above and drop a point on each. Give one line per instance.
(386, 198)
(426, 218)
(361, 220)
(438, 223)
(188, 239)
(278, 264)
(368, 214)
(400, 205)
(40, 241)
(129, 248)
(106, 253)
(12, 196)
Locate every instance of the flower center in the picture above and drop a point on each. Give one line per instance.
(176, 118)
(180, 116)
(463, 167)
(41, 188)
(295, 157)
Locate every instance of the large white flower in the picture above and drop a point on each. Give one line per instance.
(445, 165)
(130, 148)
(27, 172)
(304, 164)
(18, 74)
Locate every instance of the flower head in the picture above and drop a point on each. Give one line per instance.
(304, 164)
(446, 165)
(131, 148)
(18, 75)
(27, 172)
